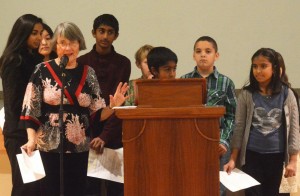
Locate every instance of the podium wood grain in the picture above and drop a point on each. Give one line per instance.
(171, 151)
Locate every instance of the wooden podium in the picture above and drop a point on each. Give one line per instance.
(170, 151)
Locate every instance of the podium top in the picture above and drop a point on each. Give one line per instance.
(171, 112)
(170, 93)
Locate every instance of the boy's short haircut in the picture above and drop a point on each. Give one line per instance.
(106, 19)
(160, 56)
(208, 39)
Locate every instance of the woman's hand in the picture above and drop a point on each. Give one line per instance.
(116, 100)
(31, 144)
(29, 147)
(119, 96)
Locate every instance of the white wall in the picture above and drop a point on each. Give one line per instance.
(240, 27)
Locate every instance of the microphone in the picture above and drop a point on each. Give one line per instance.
(63, 61)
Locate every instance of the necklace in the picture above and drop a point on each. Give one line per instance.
(268, 97)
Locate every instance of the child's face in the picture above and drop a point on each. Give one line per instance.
(45, 45)
(262, 70)
(105, 36)
(145, 69)
(167, 71)
(205, 55)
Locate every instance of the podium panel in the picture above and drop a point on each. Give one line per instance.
(171, 151)
(170, 93)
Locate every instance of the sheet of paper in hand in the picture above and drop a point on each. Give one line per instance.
(237, 180)
(108, 165)
(31, 167)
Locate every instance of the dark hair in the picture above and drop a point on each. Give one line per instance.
(208, 39)
(17, 40)
(275, 84)
(106, 19)
(160, 56)
(48, 29)
(53, 54)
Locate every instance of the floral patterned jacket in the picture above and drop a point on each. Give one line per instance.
(82, 106)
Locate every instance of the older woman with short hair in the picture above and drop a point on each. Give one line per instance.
(83, 107)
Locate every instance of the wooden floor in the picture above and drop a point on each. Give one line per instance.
(5, 172)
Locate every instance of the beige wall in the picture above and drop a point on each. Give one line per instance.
(240, 27)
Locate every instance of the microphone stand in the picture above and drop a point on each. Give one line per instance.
(61, 128)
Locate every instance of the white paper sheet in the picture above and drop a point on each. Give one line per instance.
(237, 180)
(31, 167)
(108, 165)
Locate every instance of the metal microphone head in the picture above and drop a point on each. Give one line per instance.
(63, 61)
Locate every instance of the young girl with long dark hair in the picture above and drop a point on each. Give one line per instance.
(16, 66)
(266, 134)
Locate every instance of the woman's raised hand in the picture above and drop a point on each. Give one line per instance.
(119, 96)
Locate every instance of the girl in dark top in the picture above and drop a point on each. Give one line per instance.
(16, 65)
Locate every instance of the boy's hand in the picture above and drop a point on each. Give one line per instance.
(222, 149)
(97, 144)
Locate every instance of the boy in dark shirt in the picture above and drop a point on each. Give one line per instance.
(111, 68)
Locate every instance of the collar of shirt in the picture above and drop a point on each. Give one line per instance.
(112, 52)
(196, 73)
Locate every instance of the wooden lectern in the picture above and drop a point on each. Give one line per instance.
(171, 140)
